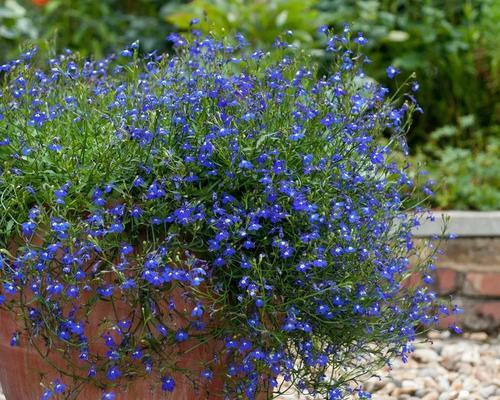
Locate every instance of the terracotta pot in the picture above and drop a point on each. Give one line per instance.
(22, 369)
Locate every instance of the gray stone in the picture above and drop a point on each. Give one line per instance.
(445, 396)
(470, 379)
(431, 396)
(461, 223)
(443, 382)
(471, 356)
(433, 335)
(463, 395)
(426, 355)
(409, 386)
(479, 336)
(487, 391)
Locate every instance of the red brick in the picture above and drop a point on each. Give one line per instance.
(446, 321)
(489, 310)
(412, 281)
(479, 315)
(482, 283)
(446, 280)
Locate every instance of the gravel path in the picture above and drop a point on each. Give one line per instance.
(462, 368)
(465, 367)
(449, 368)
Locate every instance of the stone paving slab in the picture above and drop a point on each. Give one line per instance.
(462, 224)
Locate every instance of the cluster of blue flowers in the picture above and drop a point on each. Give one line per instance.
(241, 191)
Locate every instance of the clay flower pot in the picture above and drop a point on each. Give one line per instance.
(23, 367)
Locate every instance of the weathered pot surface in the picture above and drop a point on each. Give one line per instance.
(22, 369)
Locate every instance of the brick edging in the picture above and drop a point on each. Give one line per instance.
(468, 271)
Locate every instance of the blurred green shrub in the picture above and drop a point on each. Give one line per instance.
(466, 162)
(92, 27)
(468, 178)
(452, 45)
(261, 21)
(15, 25)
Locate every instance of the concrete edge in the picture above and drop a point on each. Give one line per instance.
(460, 223)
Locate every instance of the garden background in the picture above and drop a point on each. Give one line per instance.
(451, 45)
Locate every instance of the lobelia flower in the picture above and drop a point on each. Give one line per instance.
(167, 384)
(392, 72)
(240, 193)
(113, 373)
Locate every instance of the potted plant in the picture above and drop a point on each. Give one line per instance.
(217, 223)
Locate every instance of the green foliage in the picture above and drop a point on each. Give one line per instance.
(95, 27)
(260, 21)
(490, 32)
(453, 48)
(467, 167)
(450, 45)
(14, 24)
(215, 199)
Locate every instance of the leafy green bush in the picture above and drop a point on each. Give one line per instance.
(452, 46)
(254, 188)
(95, 27)
(15, 25)
(260, 21)
(468, 168)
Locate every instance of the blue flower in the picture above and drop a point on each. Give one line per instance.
(181, 335)
(9, 288)
(456, 329)
(360, 39)
(28, 228)
(206, 374)
(126, 249)
(197, 311)
(167, 384)
(162, 329)
(14, 339)
(137, 354)
(245, 164)
(136, 212)
(59, 387)
(392, 71)
(113, 373)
